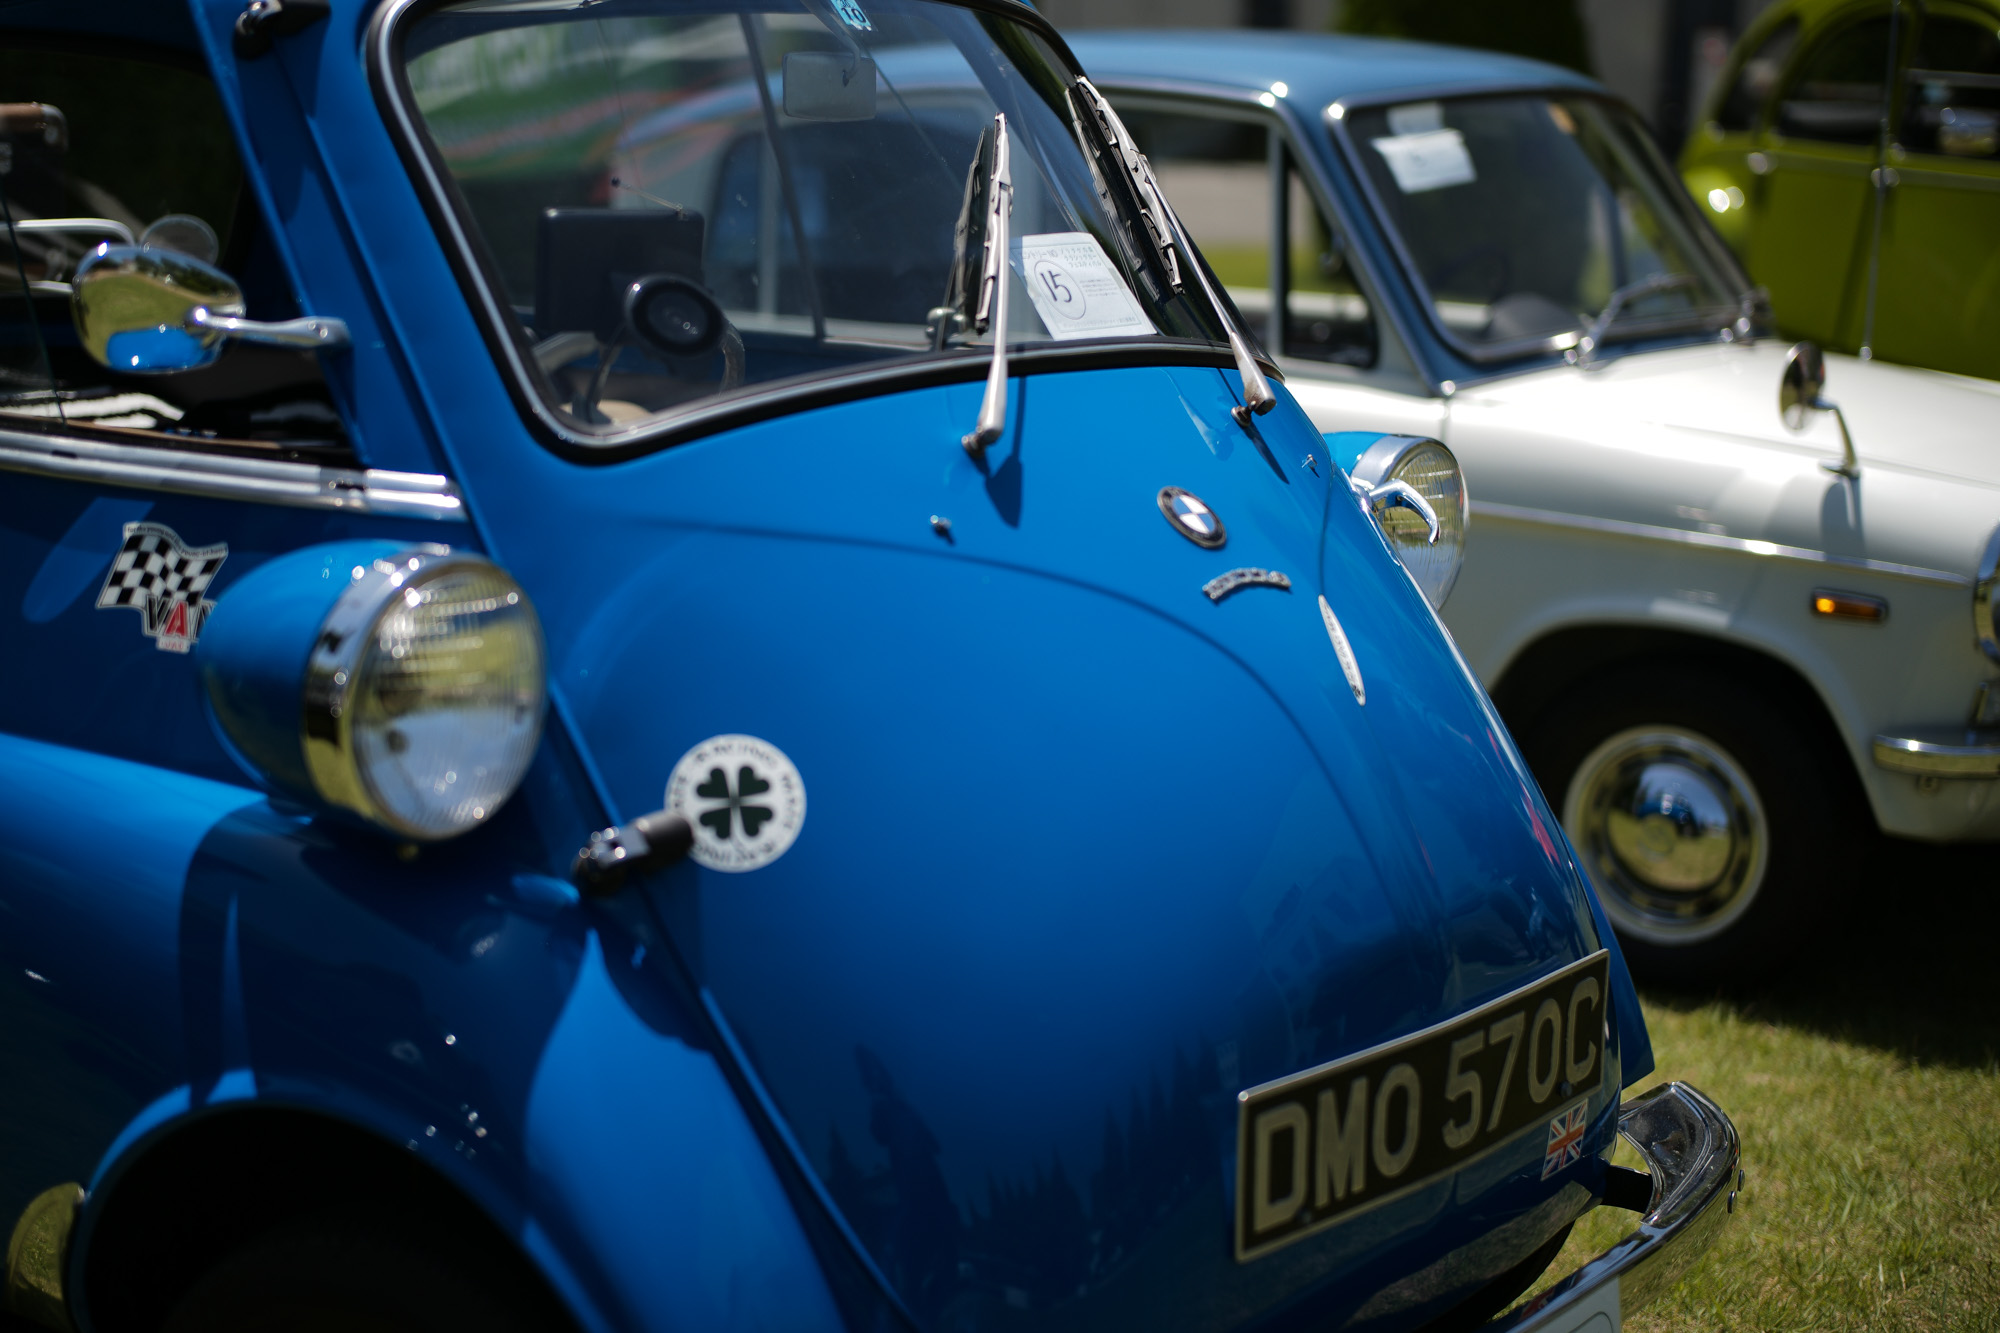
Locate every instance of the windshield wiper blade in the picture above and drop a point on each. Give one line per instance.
(991, 309)
(1137, 172)
(1593, 337)
(1169, 236)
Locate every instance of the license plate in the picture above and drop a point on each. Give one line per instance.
(1317, 1147)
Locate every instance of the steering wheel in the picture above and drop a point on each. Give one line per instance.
(675, 316)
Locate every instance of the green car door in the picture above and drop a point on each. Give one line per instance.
(1938, 302)
(1792, 157)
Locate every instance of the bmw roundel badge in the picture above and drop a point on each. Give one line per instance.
(1191, 518)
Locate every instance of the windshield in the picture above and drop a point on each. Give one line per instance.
(676, 203)
(1525, 216)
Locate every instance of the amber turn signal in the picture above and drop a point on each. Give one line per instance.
(1848, 605)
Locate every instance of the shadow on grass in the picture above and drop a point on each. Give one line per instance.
(1909, 967)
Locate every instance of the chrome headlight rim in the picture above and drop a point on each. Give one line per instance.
(333, 761)
(1984, 633)
(1381, 462)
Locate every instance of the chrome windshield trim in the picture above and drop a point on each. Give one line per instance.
(1715, 541)
(222, 477)
(1692, 1153)
(744, 406)
(1490, 358)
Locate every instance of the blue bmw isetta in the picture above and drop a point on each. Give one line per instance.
(670, 667)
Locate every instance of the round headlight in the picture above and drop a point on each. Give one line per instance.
(1429, 469)
(424, 693)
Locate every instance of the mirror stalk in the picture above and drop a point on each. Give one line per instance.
(309, 334)
(1846, 465)
(1801, 389)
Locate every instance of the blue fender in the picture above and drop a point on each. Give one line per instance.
(463, 1010)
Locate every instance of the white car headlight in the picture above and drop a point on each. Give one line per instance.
(424, 693)
(1413, 489)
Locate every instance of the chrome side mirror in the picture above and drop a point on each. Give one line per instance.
(1801, 389)
(1800, 385)
(148, 310)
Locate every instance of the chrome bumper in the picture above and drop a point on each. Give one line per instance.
(1690, 1150)
(1944, 752)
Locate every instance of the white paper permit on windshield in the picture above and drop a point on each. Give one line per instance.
(1075, 289)
(1427, 160)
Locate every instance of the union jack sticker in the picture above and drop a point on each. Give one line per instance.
(163, 579)
(1566, 1138)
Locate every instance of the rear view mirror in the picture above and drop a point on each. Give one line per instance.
(1802, 389)
(829, 85)
(1800, 384)
(147, 310)
(131, 305)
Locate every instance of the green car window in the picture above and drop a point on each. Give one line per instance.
(1756, 78)
(1836, 95)
(1952, 104)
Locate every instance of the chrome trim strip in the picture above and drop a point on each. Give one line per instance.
(1716, 541)
(1438, 92)
(1691, 1151)
(1943, 752)
(222, 477)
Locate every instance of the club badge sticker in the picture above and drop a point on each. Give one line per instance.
(163, 578)
(742, 797)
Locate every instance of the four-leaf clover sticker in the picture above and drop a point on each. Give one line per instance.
(744, 799)
(748, 784)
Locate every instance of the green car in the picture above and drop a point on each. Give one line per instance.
(1851, 155)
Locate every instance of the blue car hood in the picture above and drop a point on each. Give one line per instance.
(1085, 852)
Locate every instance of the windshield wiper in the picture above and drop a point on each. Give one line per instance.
(1257, 396)
(1090, 111)
(1593, 337)
(1168, 235)
(990, 311)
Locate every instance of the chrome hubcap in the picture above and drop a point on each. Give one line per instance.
(1672, 832)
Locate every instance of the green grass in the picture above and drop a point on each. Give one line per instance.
(1865, 1083)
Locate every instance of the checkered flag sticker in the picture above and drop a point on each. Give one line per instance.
(163, 579)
